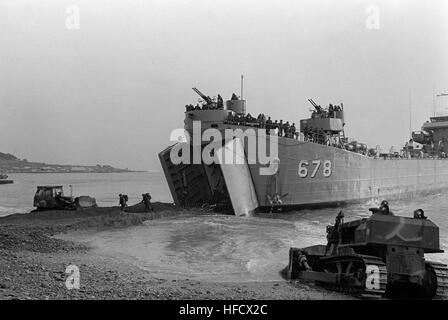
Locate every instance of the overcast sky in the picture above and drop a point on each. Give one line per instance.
(111, 91)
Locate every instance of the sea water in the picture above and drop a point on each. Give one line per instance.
(211, 247)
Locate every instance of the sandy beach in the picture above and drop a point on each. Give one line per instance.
(33, 263)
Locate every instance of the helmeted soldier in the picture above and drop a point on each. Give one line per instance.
(281, 127)
(330, 110)
(419, 214)
(263, 121)
(383, 209)
(230, 118)
(286, 129)
(147, 202)
(268, 125)
(120, 202)
(239, 119)
(260, 120)
(123, 201)
(249, 118)
(293, 131)
(275, 125)
(220, 102)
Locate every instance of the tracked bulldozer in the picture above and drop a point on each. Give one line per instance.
(379, 256)
(52, 198)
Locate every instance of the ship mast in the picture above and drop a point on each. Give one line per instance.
(242, 77)
(433, 100)
(410, 113)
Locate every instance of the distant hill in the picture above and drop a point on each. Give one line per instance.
(7, 157)
(11, 164)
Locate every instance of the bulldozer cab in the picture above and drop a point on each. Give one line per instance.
(50, 191)
(52, 197)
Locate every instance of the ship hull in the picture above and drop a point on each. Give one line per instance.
(315, 175)
(350, 177)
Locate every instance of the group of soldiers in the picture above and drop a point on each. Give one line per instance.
(316, 135)
(123, 199)
(283, 129)
(324, 113)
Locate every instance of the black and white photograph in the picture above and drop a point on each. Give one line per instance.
(198, 152)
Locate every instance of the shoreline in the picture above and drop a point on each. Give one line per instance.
(78, 172)
(33, 263)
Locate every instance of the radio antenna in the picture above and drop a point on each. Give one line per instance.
(433, 100)
(242, 80)
(410, 113)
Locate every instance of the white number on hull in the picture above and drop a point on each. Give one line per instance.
(303, 168)
(317, 165)
(327, 168)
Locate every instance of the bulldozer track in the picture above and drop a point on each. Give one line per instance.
(369, 260)
(360, 291)
(441, 272)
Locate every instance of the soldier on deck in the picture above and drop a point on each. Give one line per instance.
(230, 118)
(263, 120)
(249, 118)
(239, 119)
(234, 97)
(330, 111)
(220, 102)
(293, 131)
(260, 120)
(281, 127)
(286, 129)
(275, 125)
(268, 125)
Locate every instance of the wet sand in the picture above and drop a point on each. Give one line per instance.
(33, 263)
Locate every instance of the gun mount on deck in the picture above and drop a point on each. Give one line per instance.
(318, 108)
(325, 126)
(207, 99)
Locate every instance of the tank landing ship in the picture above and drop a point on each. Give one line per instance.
(317, 164)
(382, 255)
